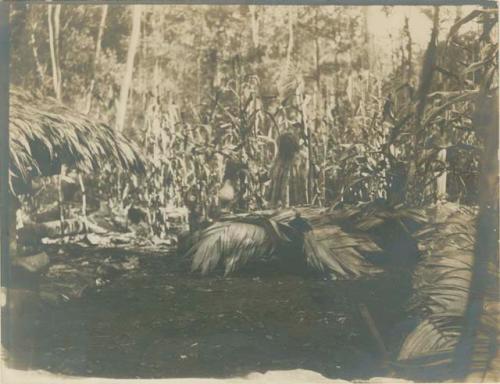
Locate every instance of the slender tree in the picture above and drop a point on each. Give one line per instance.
(54, 18)
(54, 14)
(254, 23)
(291, 40)
(97, 56)
(33, 43)
(129, 67)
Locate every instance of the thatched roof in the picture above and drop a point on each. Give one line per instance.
(44, 135)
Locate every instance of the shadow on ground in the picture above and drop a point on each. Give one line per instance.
(130, 314)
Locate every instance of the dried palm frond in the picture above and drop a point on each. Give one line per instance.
(326, 241)
(329, 249)
(437, 333)
(44, 135)
(441, 280)
(232, 244)
(441, 284)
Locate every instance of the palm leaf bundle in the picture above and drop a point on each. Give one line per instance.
(231, 244)
(441, 287)
(441, 280)
(329, 242)
(435, 334)
(44, 135)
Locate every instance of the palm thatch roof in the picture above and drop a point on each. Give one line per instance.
(45, 135)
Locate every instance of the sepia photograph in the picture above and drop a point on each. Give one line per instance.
(249, 193)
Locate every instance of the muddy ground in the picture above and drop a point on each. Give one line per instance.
(129, 313)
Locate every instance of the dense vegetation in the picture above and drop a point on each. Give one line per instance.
(201, 89)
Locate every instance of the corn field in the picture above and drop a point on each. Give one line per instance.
(367, 127)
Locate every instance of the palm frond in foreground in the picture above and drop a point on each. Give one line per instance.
(441, 288)
(333, 243)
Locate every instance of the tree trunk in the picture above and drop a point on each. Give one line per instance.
(367, 39)
(60, 199)
(317, 70)
(441, 179)
(309, 161)
(84, 200)
(129, 68)
(199, 59)
(39, 69)
(414, 182)
(409, 51)
(97, 56)
(88, 104)
(57, 28)
(53, 13)
(254, 22)
(289, 51)
(318, 108)
(477, 347)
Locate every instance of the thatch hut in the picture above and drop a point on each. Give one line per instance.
(45, 135)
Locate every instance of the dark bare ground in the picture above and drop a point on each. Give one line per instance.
(124, 314)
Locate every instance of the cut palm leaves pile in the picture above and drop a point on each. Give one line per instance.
(328, 242)
(441, 285)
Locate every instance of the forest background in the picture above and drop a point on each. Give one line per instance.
(382, 98)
